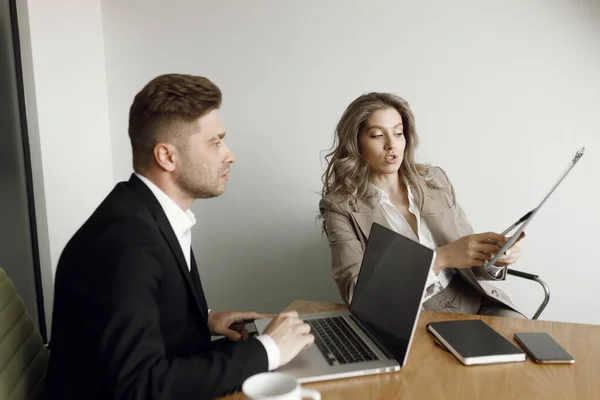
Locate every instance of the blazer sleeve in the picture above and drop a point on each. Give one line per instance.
(346, 248)
(465, 229)
(132, 353)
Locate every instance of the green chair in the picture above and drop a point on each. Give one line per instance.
(23, 355)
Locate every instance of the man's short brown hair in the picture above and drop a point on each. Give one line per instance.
(163, 109)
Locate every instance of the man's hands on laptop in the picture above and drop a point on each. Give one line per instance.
(291, 334)
(474, 250)
(232, 325)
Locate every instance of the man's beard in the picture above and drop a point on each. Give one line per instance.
(198, 181)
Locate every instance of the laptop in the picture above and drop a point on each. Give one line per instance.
(375, 334)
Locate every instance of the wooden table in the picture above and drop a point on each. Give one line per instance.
(433, 373)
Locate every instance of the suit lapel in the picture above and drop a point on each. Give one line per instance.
(372, 212)
(199, 291)
(364, 220)
(169, 235)
(164, 225)
(440, 217)
(369, 211)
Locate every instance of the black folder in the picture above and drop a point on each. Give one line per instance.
(473, 342)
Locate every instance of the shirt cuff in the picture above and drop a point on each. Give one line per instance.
(493, 270)
(273, 354)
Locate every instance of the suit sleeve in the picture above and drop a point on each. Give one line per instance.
(465, 229)
(346, 249)
(132, 353)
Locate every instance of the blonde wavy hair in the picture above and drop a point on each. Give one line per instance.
(347, 172)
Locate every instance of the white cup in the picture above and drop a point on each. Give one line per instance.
(276, 386)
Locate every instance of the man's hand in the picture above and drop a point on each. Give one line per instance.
(232, 324)
(290, 334)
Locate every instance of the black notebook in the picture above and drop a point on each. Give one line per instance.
(474, 342)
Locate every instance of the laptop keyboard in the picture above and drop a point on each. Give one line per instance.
(338, 341)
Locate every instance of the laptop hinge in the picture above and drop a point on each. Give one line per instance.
(373, 337)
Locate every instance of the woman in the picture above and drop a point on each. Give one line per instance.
(372, 176)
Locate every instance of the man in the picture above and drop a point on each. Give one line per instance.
(130, 318)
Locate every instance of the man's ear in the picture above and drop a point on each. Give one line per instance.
(165, 156)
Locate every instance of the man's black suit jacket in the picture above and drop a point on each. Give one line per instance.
(130, 319)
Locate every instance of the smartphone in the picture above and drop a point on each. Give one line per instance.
(543, 349)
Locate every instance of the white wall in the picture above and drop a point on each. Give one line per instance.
(504, 94)
(62, 47)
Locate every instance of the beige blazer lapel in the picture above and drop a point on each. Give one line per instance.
(371, 212)
(440, 218)
(365, 220)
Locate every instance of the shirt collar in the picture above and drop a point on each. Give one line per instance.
(382, 196)
(181, 221)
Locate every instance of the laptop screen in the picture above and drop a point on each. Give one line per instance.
(390, 285)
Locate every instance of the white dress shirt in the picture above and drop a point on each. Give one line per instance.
(398, 223)
(182, 222)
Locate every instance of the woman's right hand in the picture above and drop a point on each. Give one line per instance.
(469, 251)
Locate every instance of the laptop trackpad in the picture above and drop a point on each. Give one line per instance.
(309, 362)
